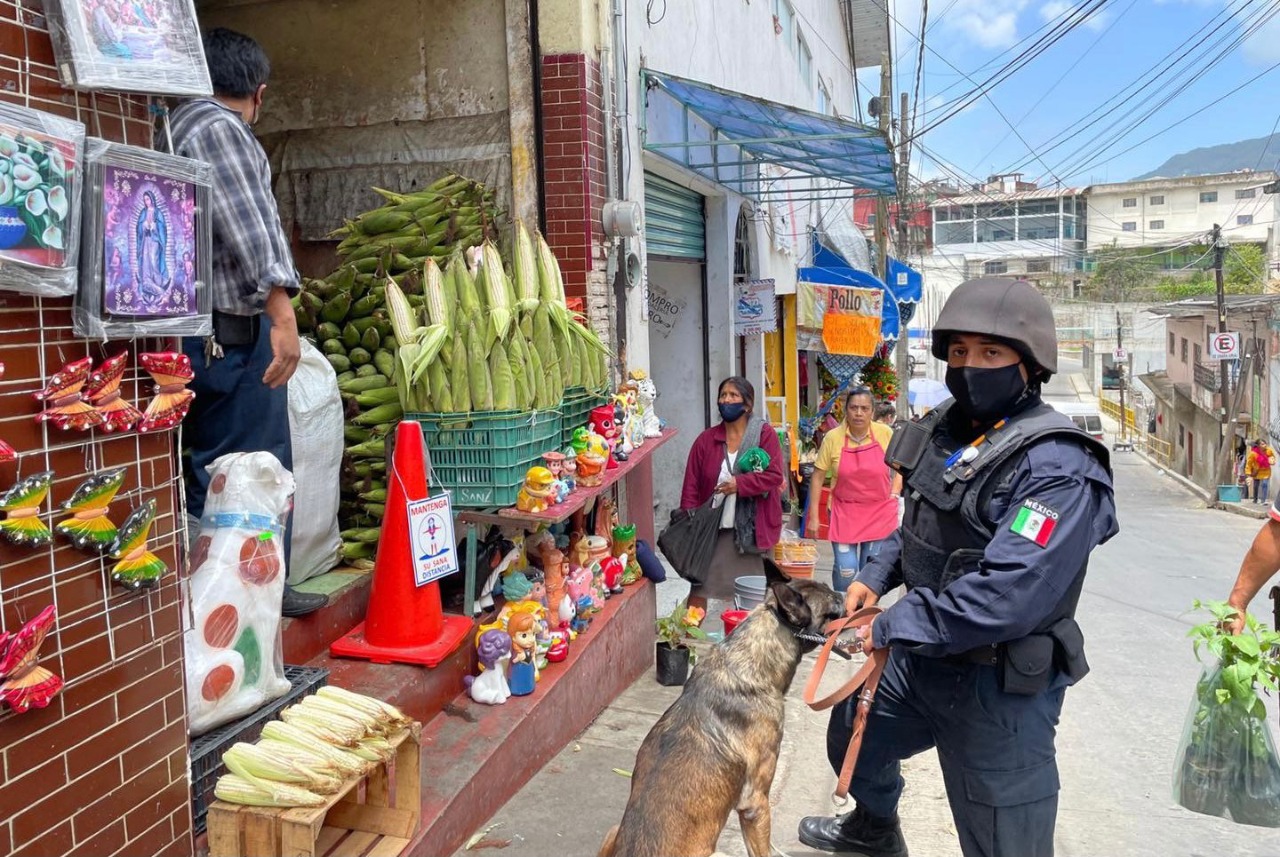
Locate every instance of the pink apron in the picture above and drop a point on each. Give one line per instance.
(861, 508)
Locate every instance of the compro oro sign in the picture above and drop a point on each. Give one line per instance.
(851, 323)
(1224, 346)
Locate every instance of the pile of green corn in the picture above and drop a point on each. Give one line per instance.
(346, 315)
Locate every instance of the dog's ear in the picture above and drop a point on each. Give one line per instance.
(773, 574)
(791, 604)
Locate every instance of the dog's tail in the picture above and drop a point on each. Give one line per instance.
(606, 850)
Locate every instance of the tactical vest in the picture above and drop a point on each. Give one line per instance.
(945, 528)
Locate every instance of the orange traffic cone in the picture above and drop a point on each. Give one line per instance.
(404, 623)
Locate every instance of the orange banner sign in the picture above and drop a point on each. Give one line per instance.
(851, 323)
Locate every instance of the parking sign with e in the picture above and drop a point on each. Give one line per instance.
(1224, 346)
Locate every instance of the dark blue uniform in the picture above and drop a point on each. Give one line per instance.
(1003, 567)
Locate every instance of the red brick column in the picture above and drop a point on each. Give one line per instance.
(573, 159)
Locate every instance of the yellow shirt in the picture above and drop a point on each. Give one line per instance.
(833, 444)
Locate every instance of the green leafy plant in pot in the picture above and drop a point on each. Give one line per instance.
(1228, 762)
(674, 656)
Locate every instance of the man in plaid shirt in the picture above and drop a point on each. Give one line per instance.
(242, 373)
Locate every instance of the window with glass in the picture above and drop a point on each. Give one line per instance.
(991, 268)
(1247, 193)
(1129, 202)
(1208, 196)
(804, 58)
(1173, 343)
(1244, 220)
(1197, 352)
(1157, 199)
(784, 22)
(1184, 349)
(1157, 224)
(1129, 226)
(824, 98)
(1037, 266)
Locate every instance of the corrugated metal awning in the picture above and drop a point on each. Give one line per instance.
(809, 145)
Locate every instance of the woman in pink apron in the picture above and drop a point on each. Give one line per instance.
(864, 497)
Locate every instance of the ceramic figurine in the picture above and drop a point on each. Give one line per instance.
(172, 373)
(559, 646)
(569, 477)
(578, 441)
(65, 405)
(580, 594)
(566, 614)
(646, 396)
(599, 589)
(500, 554)
(493, 648)
(612, 570)
(593, 461)
(516, 585)
(606, 520)
(89, 528)
(603, 422)
(553, 569)
(137, 567)
(554, 462)
(537, 492)
(22, 524)
(25, 685)
(103, 391)
(624, 545)
(597, 550)
(524, 649)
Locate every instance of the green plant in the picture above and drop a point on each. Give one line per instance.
(681, 624)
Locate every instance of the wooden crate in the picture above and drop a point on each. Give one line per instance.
(371, 816)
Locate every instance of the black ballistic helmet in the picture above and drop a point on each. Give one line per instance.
(1002, 308)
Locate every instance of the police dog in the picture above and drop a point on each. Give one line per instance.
(716, 748)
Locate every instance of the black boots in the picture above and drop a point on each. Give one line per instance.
(857, 833)
(301, 603)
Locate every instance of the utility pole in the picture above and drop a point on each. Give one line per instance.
(1119, 352)
(882, 202)
(1224, 380)
(902, 353)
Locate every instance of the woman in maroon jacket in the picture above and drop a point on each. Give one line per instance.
(751, 520)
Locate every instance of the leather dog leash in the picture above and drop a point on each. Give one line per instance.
(867, 678)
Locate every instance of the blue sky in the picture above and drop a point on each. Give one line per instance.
(1049, 98)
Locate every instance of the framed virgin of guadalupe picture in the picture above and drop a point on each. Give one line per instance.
(148, 239)
(148, 46)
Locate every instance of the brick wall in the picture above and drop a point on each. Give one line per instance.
(574, 162)
(103, 769)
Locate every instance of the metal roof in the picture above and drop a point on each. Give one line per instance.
(980, 196)
(1208, 305)
(809, 144)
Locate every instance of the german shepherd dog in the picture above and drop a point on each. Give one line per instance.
(716, 748)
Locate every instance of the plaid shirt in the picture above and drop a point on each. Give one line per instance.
(250, 252)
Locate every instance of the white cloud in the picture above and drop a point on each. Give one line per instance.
(990, 23)
(1262, 48)
(1056, 9)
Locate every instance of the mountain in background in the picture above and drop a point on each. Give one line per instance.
(1261, 153)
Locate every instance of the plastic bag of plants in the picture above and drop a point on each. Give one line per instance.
(1227, 763)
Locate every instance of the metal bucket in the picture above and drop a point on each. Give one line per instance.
(749, 591)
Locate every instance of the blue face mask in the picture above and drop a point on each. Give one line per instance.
(732, 411)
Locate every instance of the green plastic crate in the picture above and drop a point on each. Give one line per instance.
(576, 406)
(482, 457)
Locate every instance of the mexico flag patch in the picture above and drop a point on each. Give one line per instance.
(1035, 522)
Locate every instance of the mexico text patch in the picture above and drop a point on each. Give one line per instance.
(1035, 522)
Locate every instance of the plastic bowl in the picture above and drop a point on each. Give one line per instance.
(731, 618)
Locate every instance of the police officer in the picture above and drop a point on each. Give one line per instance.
(1005, 499)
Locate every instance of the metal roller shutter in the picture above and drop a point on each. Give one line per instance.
(673, 219)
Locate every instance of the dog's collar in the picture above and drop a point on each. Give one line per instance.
(799, 632)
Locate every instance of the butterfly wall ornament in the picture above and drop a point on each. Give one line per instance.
(137, 566)
(22, 524)
(89, 528)
(23, 685)
(65, 404)
(103, 392)
(172, 372)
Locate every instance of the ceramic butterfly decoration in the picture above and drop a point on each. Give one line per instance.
(65, 405)
(7, 453)
(22, 524)
(137, 566)
(89, 528)
(24, 685)
(172, 372)
(103, 391)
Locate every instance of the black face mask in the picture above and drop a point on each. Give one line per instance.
(987, 395)
(732, 411)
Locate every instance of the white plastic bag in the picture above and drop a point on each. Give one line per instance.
(234, 663)
(315, 426)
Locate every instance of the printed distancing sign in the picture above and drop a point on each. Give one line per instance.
(431, 539)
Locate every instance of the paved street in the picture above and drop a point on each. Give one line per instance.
(1117, 741)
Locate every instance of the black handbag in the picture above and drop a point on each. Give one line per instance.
(689, 540)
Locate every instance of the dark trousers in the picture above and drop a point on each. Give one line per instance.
(996, 750)
(233, 411)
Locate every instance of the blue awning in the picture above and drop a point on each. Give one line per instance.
(752, 131)
(906, 285)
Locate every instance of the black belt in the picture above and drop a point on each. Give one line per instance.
(232, 330)
(983, 656)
